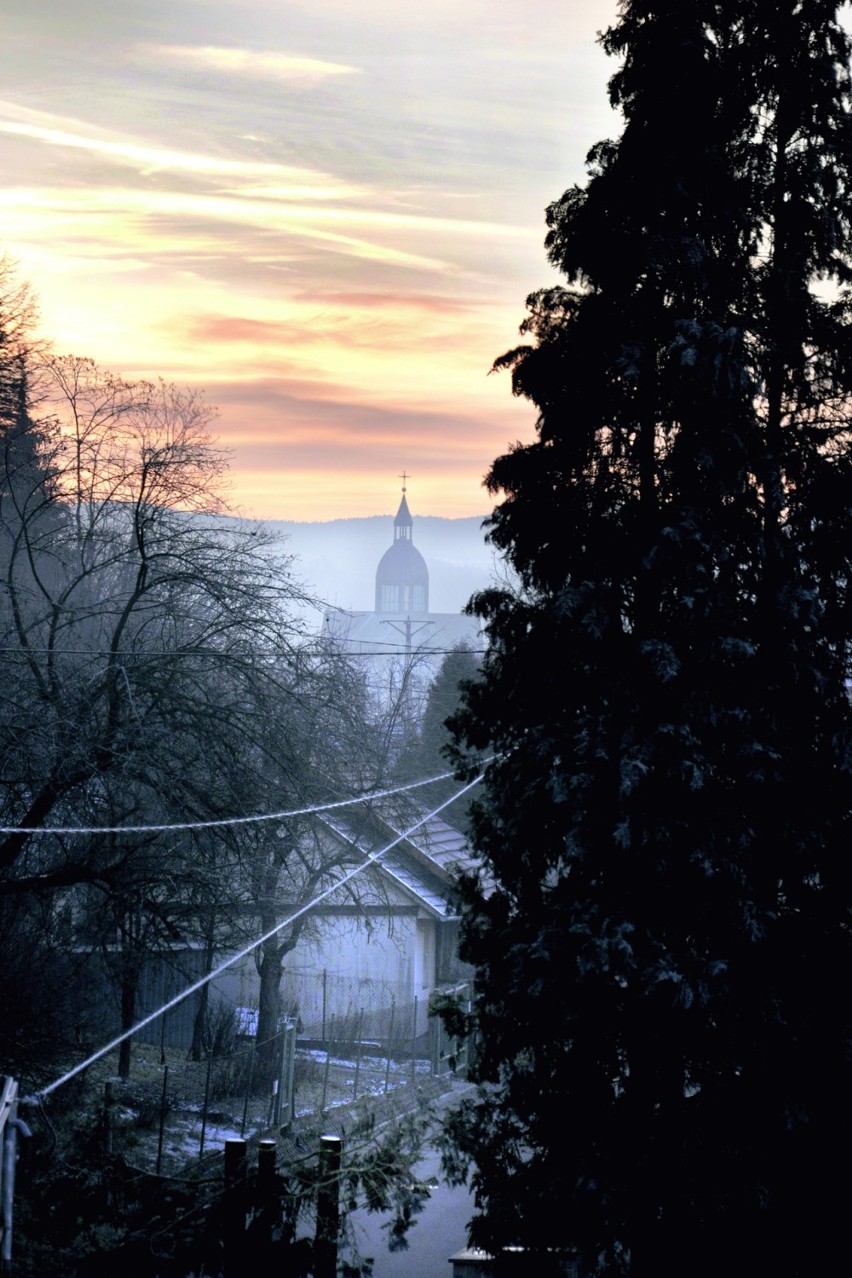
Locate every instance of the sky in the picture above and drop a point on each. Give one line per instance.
(328, 215)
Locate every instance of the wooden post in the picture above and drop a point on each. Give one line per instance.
(328, 1207)
(266, 1153)
(234, 1206)
(265, 1209)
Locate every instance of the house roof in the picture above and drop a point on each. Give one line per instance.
(424, 863)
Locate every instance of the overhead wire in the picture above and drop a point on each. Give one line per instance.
(372, 859)
(221, 822)
(377, 649)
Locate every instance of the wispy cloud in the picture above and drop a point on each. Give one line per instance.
(147, 158)
(283, 67)
(327, 214)
(117, 206)
(424, 302)
(292, 446)
(390, 328)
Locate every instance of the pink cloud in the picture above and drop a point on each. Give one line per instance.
(407, 301)
(234, 328)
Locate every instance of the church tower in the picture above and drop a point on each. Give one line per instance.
(401, 625)
(402, 578)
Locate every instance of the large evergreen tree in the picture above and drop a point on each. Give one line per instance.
(664, 1025)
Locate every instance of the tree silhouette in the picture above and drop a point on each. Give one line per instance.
(663, 1055)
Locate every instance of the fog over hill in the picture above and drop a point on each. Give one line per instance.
(337, 560)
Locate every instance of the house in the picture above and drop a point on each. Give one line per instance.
(380, 944)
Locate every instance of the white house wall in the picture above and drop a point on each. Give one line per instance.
(347, 965)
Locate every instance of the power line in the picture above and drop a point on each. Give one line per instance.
(223, 821)
(394, 650)
(378, 649)
(372, 859)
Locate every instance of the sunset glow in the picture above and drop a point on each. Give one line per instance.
(328, 216)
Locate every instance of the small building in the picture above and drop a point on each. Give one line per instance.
(375, 950)
(382, 943)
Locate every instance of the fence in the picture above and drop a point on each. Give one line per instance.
(173, 1110)
(331, 1005)
(324, 1004)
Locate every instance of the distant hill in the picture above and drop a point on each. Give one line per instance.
(337, 560)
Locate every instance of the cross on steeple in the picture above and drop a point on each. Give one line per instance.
(403, 477)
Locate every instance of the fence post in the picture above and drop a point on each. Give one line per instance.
(163, 1101)
(234, 1205)
(163, 1038)
(275, 1099)
(413, 1038)
(325, 1081)
(390, 1042)
(206, 1105)
(328, 1207)
(248, 1086)
(358, 1033)
(324, 1000)
(288, 1071)
(109, 1096)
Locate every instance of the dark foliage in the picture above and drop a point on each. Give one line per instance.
(34, 973)
(83, 1213)
(664, 1044)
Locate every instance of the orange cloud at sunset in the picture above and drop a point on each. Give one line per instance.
(351, 453)
(329, 222)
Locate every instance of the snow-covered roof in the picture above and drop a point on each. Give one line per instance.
(440, 845)
(423, 863)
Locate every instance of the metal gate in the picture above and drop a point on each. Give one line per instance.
(10, 1125)
(451, 1054)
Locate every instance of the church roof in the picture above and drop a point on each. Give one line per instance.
(403, 515)
(402, 563)
(402, 578)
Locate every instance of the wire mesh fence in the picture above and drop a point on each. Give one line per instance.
(173, 1110)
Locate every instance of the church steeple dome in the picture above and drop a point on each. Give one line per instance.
(402, 578)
